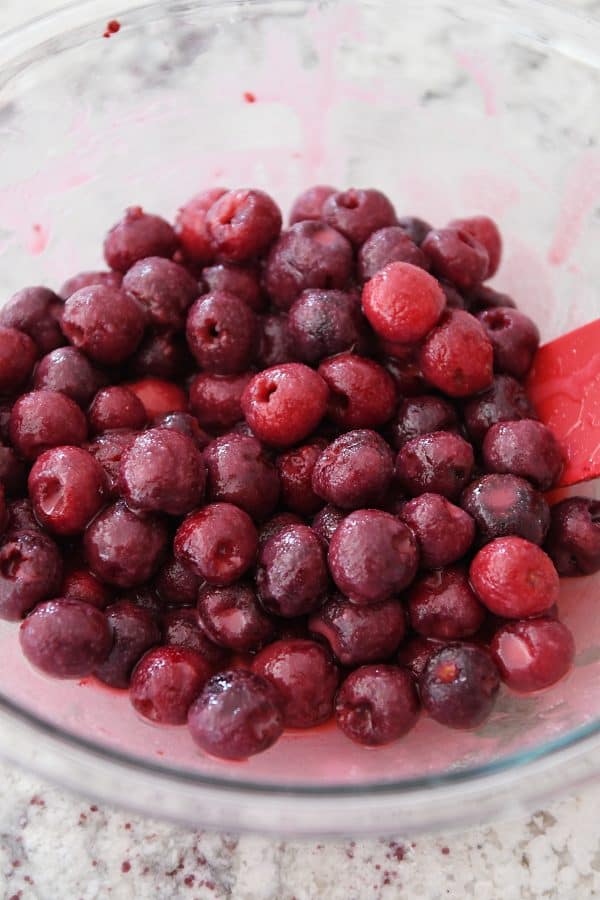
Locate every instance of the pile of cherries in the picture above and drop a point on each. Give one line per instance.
(260, 478)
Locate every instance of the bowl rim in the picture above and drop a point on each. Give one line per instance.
(487, 783)
(507, 787)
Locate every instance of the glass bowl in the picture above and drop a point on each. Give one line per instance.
(483, 107)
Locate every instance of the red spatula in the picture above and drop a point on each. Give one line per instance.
(564, 385)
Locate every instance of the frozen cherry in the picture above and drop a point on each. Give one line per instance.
(162, 471)
(327, 520)
(239, 472)
(514, 337)
(403, 302)
(388, 245)
(514, 578)
(122, 548)
(243, 224)
(505, 401)
(573, 541)
(67, 488)
(116, 407)
(421, 415)
(442, 605)
(459, 685)
(232, 617)
(372, 556)
(414, 653)
(216, 400)
(485, 231)
(503, 505)
(66, 638)
(304, 674)
(355, 470)
(146, 597)
(440, 462)
(184, 423)
(31, 310)
(191, 227)
(238, 714)
(526, 448)
(162, 354)
(18, 354)
(360, 634)
(275, 525)
(134, 632)
(108, 448)
(85, 279)
(405, 371)
(105, 323)
(377, 704)
(243, 281)
(164, 289)
(177, 583)
(221, 333)
(68, 371)
(136, 236)
(456, 256)
(322, 323)
(79, 584)
(291, 576)
(275, 343)
(361, 393)
(159, 396)
(295, 468)
(44, 419)
(309, 255)
(309, 205)
(284, 404)
(457, 356)
(444, 532)
(533, 654)
(165, 683)
(417, 229)
(218, 542)
(358, 213)
(30, 571)
(181, 628)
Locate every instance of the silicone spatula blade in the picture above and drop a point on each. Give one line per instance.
(564, 386)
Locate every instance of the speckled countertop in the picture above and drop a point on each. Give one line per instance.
(55, 845)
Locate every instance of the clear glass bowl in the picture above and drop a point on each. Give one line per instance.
(483, 107)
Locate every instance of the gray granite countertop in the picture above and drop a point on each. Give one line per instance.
(55, 845)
